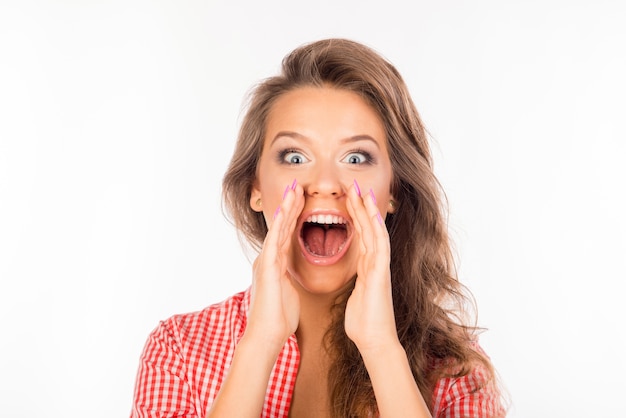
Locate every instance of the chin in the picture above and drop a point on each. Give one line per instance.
(323, 279)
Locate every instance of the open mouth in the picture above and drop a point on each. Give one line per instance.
(325, 236)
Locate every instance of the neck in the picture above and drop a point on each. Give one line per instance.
(315, 317)
(316, 311)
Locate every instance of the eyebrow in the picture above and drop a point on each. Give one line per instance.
(296, 135)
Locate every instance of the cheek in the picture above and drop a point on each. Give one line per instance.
(272, 184)
(382, 192)
(380, 184)
(269, 179)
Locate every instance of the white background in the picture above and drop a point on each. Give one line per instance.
(117, 119)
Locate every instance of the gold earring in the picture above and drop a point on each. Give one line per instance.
(392, 204)
(258, 202)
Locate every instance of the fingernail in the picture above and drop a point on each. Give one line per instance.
(358, 189)
(380, 218)
(285, 192)
(276, 212)
(373, 197)
(294, 184)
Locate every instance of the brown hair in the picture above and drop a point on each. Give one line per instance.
(429, 302)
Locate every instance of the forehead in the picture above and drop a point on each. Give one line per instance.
(324, 112)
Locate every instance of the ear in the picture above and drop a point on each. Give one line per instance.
(256, 204)
(393, 204)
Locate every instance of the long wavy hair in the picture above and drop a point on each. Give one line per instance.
(429, 302)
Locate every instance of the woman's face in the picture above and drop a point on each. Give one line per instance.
(325, 139)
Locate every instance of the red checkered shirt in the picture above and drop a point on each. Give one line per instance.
(187, 357)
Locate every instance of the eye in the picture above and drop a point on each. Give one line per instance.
(358, 157)
(292, 157)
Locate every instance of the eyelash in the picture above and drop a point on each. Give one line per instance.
(283, 153)
(369, 159)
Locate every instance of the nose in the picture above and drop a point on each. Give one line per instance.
(323, 181)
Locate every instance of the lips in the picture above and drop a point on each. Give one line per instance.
(324, 236)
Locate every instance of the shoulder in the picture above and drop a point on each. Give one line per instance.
(182, 364)
(224, 320)
(474, 394)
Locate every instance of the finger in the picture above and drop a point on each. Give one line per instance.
(295, 202)
(291, 208)
(374, 237)
(379, 229)
(361, 219)
(353, 203)
(274, 238)
(380, 238)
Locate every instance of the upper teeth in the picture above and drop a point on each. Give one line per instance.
(326, 219)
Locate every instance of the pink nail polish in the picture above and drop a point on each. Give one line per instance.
(276, 212)
(358, 189)
(294, 184)
(380, 218)
(285, 192)
(372, 195)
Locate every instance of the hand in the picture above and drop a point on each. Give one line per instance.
(369, 317)
(275, 305)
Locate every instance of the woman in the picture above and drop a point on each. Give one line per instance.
(354, 308)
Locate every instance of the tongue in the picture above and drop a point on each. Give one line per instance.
(323, 241)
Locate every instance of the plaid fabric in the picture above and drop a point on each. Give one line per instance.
(187, 357)
(473, 395)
